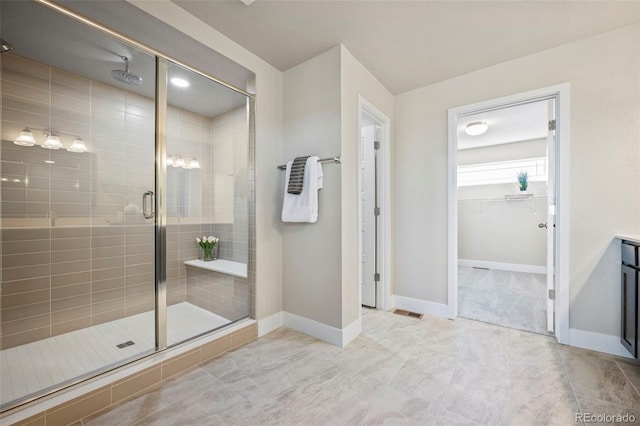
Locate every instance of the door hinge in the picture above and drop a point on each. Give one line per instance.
(552, 124)
(376, 277)
(376, 211)
(552, 294)
(376, 145)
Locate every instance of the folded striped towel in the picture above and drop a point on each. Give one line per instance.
(296, 177)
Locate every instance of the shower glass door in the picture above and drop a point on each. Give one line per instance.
(77, 167)
(206, 197)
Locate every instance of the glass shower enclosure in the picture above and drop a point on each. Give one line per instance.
(113, 160)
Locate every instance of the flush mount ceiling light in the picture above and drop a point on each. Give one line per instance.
(25, 138)
(52, 142)
(179, 82)
(476, 128)
(77, 146)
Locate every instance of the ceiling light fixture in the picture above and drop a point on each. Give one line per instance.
(179, 82)
(179, 162)
(52, 142)
(77, 146)
(25, 138)
(476, 128)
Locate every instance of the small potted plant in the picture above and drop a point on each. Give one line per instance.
(523, 176)
(209, 246)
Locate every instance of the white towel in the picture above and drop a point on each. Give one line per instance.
(303, 207)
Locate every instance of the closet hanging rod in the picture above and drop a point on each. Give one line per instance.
(322, 160)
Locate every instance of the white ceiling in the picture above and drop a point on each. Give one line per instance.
(506, 125)
(410, 44)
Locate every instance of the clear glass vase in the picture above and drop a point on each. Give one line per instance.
(210, 253)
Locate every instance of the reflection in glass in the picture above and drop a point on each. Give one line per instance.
(77, 154)
(207, 158)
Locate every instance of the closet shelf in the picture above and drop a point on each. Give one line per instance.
(513, 197)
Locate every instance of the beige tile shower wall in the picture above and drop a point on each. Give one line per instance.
(96, 263)
(230, 182)
(222, 294)
(189, 197)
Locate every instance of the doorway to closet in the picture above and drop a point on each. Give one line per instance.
(503, 248)
(503, 178)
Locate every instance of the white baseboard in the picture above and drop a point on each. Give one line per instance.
(515, 267)
(351, 331)
(270, 323)
(421, 306)
(329, 334)
(597, 342)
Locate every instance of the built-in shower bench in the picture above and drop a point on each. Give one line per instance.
(223, 266)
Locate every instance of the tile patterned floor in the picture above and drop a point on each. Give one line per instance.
(31, 368)
(399, 371)
(511, 299)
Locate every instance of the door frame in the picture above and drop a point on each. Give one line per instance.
(561, 93)
(383, 295)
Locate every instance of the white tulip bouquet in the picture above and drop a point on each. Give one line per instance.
(207, 244)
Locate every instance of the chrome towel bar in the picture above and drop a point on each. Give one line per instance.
(322, 160)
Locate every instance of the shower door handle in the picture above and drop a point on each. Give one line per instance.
(148, 195)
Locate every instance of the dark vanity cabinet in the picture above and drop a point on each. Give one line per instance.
(629, 280)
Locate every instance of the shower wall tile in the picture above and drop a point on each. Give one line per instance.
(97, 262)
(73, 275)
(221, 294)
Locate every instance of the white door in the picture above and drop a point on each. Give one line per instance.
(368, 225)
(551, 214)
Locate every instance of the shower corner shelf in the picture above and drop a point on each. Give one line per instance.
(222, 266)
(518, 197)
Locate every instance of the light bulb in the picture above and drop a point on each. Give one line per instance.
(52, 142)
(77, 146)
(194, 164)
(25, 138)
(179, 162)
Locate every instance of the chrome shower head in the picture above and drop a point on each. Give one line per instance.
(125, 76)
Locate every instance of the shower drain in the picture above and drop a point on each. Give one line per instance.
(125, 344)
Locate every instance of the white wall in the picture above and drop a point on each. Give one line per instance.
(604, 74)
(268, 147)
(321, 117)
(492, 229)
(312, 252)
(356, 80)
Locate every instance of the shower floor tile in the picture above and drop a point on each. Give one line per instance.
(30, 368)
